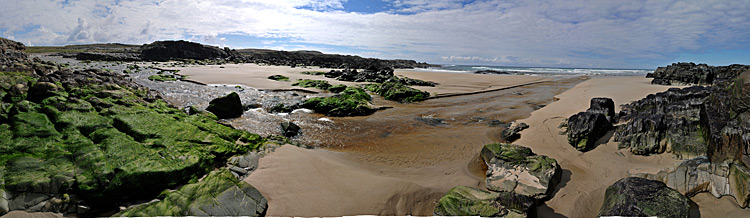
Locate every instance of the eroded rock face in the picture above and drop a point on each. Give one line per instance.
(229, 106)
(603, 106)
(514, 168)
(585, 128)
(11, 51)
(691, 73)
(512, 133)
(664, 122)
(93, 56)
(700, 175)
(219, 194)
(289, 129)
(633, 196)
(468, 201)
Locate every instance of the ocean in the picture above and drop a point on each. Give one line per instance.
(541, 71)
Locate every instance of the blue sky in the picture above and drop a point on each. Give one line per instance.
(572, 33)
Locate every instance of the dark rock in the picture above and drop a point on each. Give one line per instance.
(491, 72)
(289, 129)
(93, 56)
(585, 128)
(11, 51)
(633, 196)
(468, 201)
(314, 58)
(664, 122)
(352, 101)
(226, 107)
(278, 78)
(432, 121)
(42, 90)
(396, 91)
(512, 133)
(368, 75)
(509, 168)
(691, 73)
(174, 50)
(603, 106)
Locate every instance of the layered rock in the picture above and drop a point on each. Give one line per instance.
(691, 73)
(514, 168)
(665, 121)
(226, 107)
(633, 196)
(512, 132)
(219, 194)
(725, 122)
(468, 201)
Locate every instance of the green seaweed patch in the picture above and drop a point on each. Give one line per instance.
(352, 101)
(396, 91)
(279, 78)
(315, 73)
(468, 201)
(337, 88)
(309, 83)
(8, 79)
(162, 78)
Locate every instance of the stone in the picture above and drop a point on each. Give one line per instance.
(353, 101)
(603, 106)
(226, 107)
(174, 50)
(394, 90)
(119, 56)
(512, 133)
(289, 129)
(42, 90)
(238, 170)
(633, 196)
(516, 169)
(700, 74)
(468, 201)
(585, 128)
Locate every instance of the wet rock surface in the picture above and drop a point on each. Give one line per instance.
(468, 201)
(634, 196)
(514, 168)
(512, 132)
(225, 107)
(700, 74)
(585, 128)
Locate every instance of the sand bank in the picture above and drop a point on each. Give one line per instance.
(256, 76)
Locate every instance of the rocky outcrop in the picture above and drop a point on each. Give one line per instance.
(514, 168)
(95, 56)
(396, 91)
(289, 129)
(725, 121)
(219, 194)
(691, 73)
(664, 122)
(352, 101)
(243, 165)
(176, 50)
(603, 106)
(701, 175)
(491, 72)
(369, 75)
(633, 196)
(226, 107)
(314, 58)
(11, 51)
(468, 201)
(512, 132)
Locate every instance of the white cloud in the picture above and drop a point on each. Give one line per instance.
(575, 33)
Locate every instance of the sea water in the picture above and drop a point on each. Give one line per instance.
(541, 71)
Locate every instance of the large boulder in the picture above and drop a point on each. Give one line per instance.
(289, 129)
(173, 50)
(468, 201)
(226, 107)
(394, 90)
(603, 106)
(352, 101)
(664, 122)
(691, 73)
(11, 51)
(218, 194)
(633, 196)
(585, 128)
(514, 168)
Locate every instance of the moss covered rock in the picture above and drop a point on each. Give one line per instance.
(634, 196)
(219, 194)
(162, 78)
(514, 168)
(279, 78)
(350, 102)
(468, 201)
(308, 83)
(396, 91)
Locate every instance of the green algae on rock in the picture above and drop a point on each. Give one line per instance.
(468, 201)
(350, 102)
(309, 83)
(633, 196)
(218, 194)
(279, 78)
(396, 91)
(514, 168)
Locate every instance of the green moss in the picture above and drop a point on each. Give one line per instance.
(8, 79)
(308, 83)
(396, 91)
(468, 201)
(279, 78)
(337, 88)
(27, 124)
(316, 73)
(507, 152)
(350, 102)
(162, 78)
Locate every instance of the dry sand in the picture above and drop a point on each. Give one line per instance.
(256, 76)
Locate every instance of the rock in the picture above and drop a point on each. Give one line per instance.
(218, 194)
(279, 78)
(289, 129)
(691, 73)
(664, 122)
(95, 56)
(174, 50)
(585, 128)
(371, 74)
(432, 121)
(633, 196)
(514, 168)
(17, 93)
(352, 101)
(308, 83)
(11, 52)
(238, 170)
(226, 107)
(468, 201)
(491, 72)
(42, 90)
(396, 91)
(512, 133)
(603, 106)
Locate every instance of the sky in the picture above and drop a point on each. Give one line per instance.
(642, 34)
